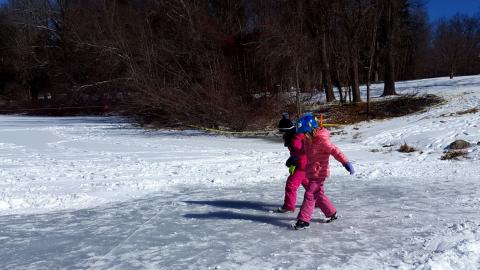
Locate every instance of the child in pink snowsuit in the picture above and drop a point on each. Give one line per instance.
(318, 148)
(297, 159)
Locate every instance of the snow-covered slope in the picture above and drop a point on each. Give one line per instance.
(99, 193)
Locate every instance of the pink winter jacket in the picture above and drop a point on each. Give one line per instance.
(297, 151)
(318, 152)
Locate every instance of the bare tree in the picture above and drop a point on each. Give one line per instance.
(319, 24)
(456, 42)
(389, 21)
(222, 62)
(354, 20)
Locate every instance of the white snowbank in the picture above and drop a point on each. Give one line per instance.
(186, 200)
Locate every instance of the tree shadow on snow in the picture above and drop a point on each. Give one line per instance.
(228, 215)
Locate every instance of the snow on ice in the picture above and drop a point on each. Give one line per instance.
(99, 193)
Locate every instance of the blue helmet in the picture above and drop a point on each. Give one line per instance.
(306, 123)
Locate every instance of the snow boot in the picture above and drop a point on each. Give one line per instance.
(332, 218)
(301, 225)
(281, 210)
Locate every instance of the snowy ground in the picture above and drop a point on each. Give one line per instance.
(98, 193)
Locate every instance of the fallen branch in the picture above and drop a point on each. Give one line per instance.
(86, 86)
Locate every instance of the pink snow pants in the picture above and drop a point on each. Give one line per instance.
(293, 182)
(315, 195)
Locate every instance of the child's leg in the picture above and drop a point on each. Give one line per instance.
(309, 200)
(324, 202)
(305, 183)
(291, 187)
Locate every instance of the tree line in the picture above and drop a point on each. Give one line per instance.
(233, 63)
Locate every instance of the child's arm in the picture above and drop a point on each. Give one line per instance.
(297, 148)
(340, 157)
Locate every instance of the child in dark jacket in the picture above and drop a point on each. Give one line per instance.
(296, 163)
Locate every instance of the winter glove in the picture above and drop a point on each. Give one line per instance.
(291, 170)
(349, 168)
(290, 162)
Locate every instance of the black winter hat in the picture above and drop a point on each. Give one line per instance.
(285, 124)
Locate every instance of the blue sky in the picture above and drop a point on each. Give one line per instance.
(447, 8)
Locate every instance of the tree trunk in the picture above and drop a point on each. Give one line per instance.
(350, 94)
(355, 80)
(452, 71)
(389, 75)
(327, 80)
(337, 84)
(376, 66)
(373, 45)
(388, 59)
(297, 82)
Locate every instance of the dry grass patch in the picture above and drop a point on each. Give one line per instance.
(382, 109)
(456, 155)
(473, 110)
(405, 148)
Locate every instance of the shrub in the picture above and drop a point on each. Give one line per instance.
(405, 148)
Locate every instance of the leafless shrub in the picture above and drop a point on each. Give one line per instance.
(405, 148)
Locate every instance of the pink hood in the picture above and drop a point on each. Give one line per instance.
(318, 152)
